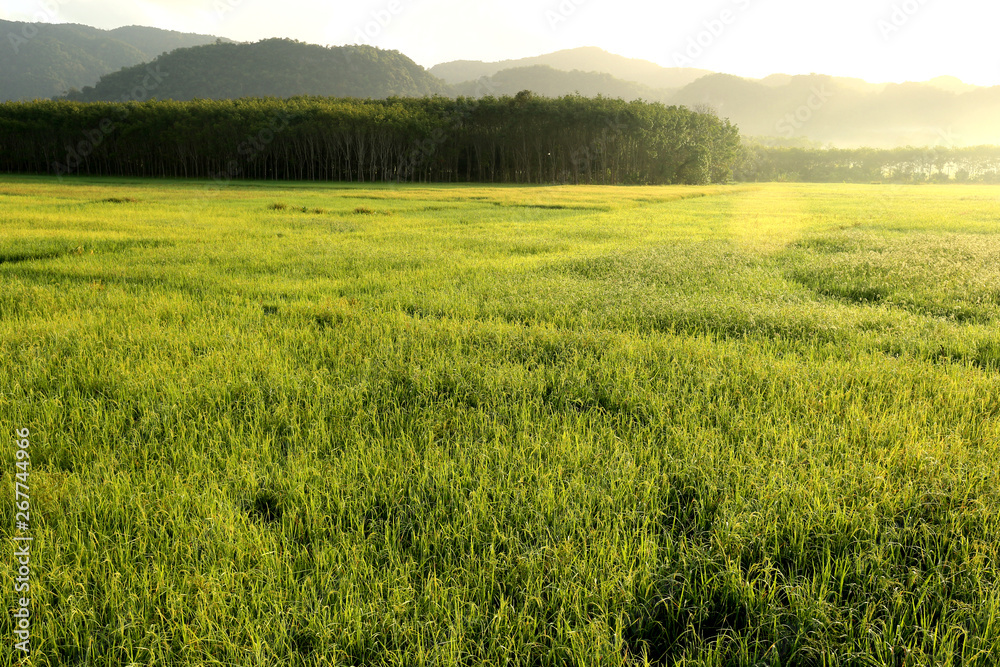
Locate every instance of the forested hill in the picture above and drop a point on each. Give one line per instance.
(271, 68)
(849, 113)
(552, 82)
(43, 60)
(814, 108)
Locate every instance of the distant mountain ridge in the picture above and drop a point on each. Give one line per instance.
(842, 111)
(584, 59)
(550, 82)
(43, 60)
(136, 62)
(847, 114)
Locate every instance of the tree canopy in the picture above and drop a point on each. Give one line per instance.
(520, 139)
(935, 164)
(271, 68)
(43, 60)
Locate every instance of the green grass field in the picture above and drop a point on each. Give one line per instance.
(337, 425)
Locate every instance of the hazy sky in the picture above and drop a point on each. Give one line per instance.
(879, 40)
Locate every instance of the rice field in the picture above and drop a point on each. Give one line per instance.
(315, 424)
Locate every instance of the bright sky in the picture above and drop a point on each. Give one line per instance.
(878, 40)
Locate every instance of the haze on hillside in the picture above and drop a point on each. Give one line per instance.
(782, 109)
(774, 74)
(879, 41)
(43, 60)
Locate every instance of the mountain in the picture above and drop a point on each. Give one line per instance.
(951, 84)
(270, 68)
(135, 62)
(43, 60)
(845, 112)
(549, 82)
(860, 85)
(586, 59)
(153, 41)
(729, 95)
(850, 113)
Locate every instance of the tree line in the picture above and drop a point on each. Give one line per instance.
(939, 164)
(518, 139)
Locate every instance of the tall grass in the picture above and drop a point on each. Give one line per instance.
(537, 426)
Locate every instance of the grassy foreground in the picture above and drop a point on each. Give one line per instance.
(300, 424)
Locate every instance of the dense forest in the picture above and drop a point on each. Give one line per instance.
(938, 164)
(271, 68)
(520, 139)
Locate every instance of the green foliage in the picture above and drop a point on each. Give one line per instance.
(524, 139)
(270, 68)
(934, 164)
(43, 60)
(532, 426)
